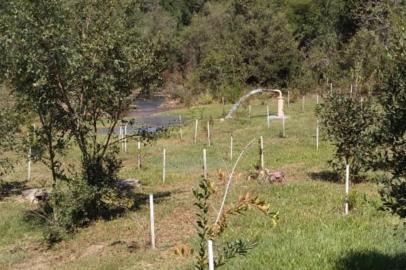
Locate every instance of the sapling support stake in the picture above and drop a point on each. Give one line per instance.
(180, 128)
(223, 103)
(261, 151)
(204, 164)
(125, 138)
(29, 164)
(151, 219)
(210, 254)
(283, 127)
(163, 165)
(267, 116)
(208, 134)
(347, 187)
(121, 136)
(317, 134)
(231, 147)
(139, 155)
(196, 125)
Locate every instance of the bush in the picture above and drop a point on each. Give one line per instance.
(394, 196)
(349, 125)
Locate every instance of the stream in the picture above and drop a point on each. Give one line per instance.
(145, 118)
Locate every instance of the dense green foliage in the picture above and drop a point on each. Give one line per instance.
(229, 46)
(393, 135)
(9, 128)
(75, 65)
(349, 123)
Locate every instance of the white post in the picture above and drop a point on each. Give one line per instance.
(139, 155)
(267, 116)
(303, 103)
(180, 127)
(208, 133)
(210, 254)
(249, 111)
(351, 91)
(196, 125)
(317, 135)
(283, 126)
(121, 136)
(151, 218)
(347, 187)
(223, 102)
(288, 98)
(29, 164)
(163, 165)
(204, 164)
(317, 99)
(362, 101)
(261, 151)
(125, 138)
(231, 147)
(331, 87)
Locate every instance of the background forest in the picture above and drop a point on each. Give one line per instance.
(221, 48)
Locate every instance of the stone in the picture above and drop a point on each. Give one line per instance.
(267, 176)
(128, 183)
(35, 195)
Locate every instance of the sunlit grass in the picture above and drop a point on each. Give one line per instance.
(312, 232)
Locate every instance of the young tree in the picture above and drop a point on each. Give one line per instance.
(75, 64)
(349, 125)
(393, 133)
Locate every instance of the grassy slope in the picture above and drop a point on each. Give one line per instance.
(311, 233)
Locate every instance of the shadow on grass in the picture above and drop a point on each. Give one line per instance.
(326, 176)
(43, 213)
(11, 188)
(142, 198)
(371, 260)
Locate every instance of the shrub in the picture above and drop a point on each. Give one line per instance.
(349, 125)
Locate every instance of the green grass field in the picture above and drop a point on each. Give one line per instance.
(311, 233)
